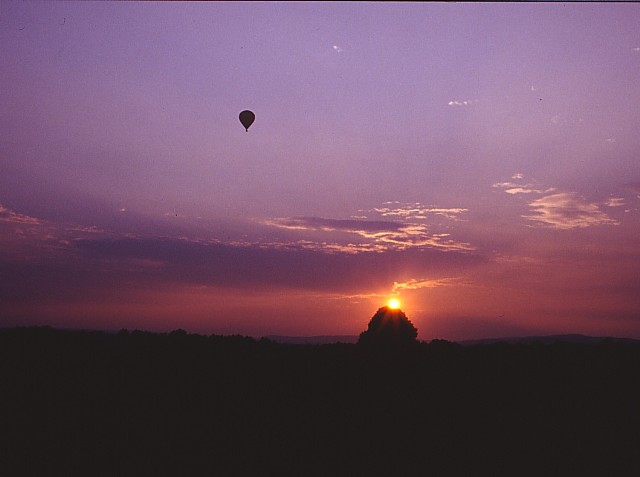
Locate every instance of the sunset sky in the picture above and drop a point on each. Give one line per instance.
(479, 162)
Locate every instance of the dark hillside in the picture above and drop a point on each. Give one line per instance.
(88, 403)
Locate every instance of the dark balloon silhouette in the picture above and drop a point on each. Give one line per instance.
(389, 327)
(247, 118)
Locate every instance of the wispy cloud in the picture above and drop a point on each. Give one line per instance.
(560, 209)
(614, 202)
(416, 283)
(458, 103)
(417, 211)
(381, 234)
(89, 229)
(355, 298)
(319, 223)
(513, 188)
(416, 236)
(8, 215)
(567, 210)
(322, 247)
(522, 190)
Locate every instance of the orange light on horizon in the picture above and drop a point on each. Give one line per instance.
(393, 304)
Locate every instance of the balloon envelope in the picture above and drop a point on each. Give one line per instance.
(247, 118)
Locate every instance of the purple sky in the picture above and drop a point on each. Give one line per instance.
(481, 162)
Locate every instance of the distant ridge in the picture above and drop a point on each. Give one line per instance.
(333, 339)
(312, 339)
(546, 340)
(550, 339)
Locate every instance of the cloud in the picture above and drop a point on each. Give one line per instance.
(8, 215)
(355, 298)
(89, 229)
(418, 211)
(319, 223)
(527, 190)
(513, 188)
(83, 264)
(406, 230)
(564, 210)
(252, 265)
(567, 210)
(614, 202)
(383, 235)
(504, 185)
(337, 49)
(637, 49)
(322, 247)
(456, 103)
(416, 283)
(522, 190)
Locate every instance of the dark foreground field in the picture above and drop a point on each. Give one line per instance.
(94, 404)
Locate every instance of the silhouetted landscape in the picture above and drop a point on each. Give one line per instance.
(138, 403)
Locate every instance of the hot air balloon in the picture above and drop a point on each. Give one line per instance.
(247, 118)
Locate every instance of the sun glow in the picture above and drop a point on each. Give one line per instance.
(393, 304)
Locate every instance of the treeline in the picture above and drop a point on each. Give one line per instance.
(136, 403)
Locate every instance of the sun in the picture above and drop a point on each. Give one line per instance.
(393, 304)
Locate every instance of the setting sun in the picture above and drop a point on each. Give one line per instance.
(393, 304)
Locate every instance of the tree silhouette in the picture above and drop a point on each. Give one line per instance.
(389, 328)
